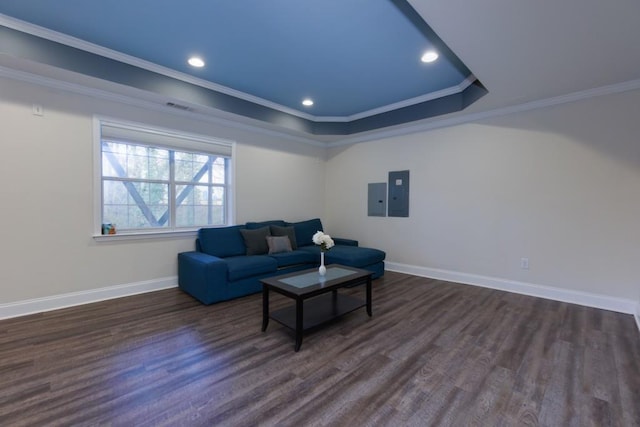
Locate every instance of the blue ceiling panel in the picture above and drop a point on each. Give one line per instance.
(354, 58)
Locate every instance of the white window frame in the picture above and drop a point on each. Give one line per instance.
(173, 140)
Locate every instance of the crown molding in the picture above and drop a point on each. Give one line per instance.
(150, 105)
(397, 105)
(483, 115)
(374, 135)
(45, 33)
(233, 121)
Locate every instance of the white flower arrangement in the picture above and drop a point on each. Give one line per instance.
(323, 240)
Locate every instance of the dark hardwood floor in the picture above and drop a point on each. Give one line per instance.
(434, 353)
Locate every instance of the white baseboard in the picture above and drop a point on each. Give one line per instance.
(605, 302)
(38, 305)
(55, 302)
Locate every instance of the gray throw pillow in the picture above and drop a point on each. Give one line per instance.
(289, 231)
(278, 244)
(256, 240)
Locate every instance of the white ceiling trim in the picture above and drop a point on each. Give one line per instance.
(74, 42)
(406, 103)
(483, 115)
(159, 106)
(454, 120)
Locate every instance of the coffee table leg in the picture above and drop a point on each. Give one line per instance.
(334, 302)
(265, 308)
(299, 325)
(369, 296)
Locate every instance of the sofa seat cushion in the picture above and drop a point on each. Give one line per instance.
(352, 256)
(286, 259)
(240, 267)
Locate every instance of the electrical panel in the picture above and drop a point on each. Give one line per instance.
(399, 193)
(377, 200)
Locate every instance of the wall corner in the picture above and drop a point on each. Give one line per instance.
(637, 315)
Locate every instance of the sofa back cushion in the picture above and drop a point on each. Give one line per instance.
(254, 225)
(305, 230)
(222, 242)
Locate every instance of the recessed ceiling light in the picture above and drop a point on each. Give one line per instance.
(195, 61)
(429, 56)
(307, 102)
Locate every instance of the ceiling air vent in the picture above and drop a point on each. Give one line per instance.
(179, 106)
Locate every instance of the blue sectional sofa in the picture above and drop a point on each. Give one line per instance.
(230, 261)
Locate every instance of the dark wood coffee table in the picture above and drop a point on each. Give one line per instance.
(317, 298)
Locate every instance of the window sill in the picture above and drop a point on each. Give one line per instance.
(149, 235)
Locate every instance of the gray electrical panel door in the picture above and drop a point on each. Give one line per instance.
(399, 193)
(377, 201)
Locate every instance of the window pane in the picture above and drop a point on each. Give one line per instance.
(134, 161)
(219, 170)
(193, 205)
(135, 204)
(113, 157)
(191, 167)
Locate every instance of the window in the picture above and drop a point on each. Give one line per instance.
(158, 180)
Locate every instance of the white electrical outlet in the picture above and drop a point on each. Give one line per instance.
(524, 263)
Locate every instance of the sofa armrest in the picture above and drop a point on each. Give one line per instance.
(345, 242)
(202, 276)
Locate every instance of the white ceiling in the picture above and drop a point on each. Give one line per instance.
(524, 51)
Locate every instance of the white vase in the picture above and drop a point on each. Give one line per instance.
(322, 270)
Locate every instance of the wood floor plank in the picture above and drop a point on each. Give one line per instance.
(434, 353)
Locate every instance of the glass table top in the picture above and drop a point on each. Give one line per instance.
(314, 278)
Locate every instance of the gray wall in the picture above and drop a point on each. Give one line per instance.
(47, 193)
(558, 185)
